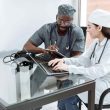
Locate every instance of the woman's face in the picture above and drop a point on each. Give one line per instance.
(93, 30)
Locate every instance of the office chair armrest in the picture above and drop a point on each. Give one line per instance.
(102, 98)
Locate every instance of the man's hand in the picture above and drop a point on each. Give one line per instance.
(53, 47)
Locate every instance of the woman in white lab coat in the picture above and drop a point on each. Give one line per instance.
(94, 62)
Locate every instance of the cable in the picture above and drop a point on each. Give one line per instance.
(11, 58)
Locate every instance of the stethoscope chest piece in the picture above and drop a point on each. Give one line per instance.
(67, 48)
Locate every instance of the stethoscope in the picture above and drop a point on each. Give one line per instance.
(68, 43)
(93, 52)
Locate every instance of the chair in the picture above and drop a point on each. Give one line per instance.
(102, 99)
(84, 30)
(100, 106)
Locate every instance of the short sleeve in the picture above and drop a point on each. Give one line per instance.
(79, 43)
(39, 36)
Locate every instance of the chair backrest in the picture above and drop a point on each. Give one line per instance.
(101, 105)
(84, 30)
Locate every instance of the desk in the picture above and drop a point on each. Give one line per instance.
(46, 92)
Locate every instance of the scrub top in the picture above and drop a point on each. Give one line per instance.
(73, 40)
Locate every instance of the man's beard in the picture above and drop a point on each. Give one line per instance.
(63, 28)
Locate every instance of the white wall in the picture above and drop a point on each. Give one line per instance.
(19, 19)
(83, 13)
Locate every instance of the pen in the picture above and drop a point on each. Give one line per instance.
(56, 48)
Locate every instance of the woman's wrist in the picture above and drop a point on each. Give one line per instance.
(63, 60)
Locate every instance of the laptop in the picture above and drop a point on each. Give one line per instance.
(48, 70)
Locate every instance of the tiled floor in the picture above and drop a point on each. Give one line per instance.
(52, 106)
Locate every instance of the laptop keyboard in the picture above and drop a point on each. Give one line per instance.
(49, 68)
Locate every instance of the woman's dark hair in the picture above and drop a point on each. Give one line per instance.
(105, 31)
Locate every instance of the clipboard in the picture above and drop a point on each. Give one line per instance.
(56, 53)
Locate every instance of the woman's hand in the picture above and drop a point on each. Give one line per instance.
(60, 67)
(55, 61)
